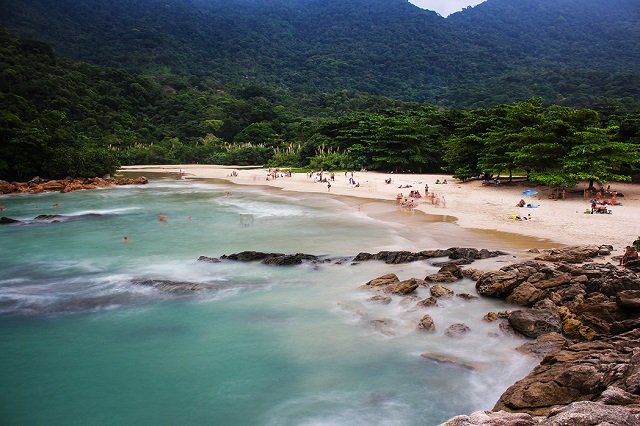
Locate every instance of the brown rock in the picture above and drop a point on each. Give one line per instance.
(426, 323)
(403, 287)
(6, 187)
(429, 301)
(544, 345)
(490, 316)
(534, 322)
(383, 280)
(440, 291)
(441, 277)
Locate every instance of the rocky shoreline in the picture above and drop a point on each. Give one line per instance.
(38, 185)
(582, 316)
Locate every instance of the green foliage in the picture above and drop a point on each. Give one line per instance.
(580, 53)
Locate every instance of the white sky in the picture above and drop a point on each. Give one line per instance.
(445, 7)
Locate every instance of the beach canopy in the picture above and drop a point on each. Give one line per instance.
(529, 192)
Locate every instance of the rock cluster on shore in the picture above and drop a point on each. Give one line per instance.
(585, 318)
(37, 185)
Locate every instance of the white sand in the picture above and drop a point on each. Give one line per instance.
(473, 206)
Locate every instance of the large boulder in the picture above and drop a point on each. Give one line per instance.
(581, 372)
(534, 322)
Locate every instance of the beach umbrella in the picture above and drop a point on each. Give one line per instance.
(529, 192)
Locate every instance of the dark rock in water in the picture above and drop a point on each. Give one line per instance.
(249, 256)
(287, 259)
(48, 218)
(457, 330)
(461, 261)
(534, 322)
(209, 259)
(449, 273)
(457, 255)
(8, 221)
(379, 298)
(449, 359)
(384, 326)
(270, 258)
(175, 287)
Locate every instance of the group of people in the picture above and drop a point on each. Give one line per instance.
(630, 253)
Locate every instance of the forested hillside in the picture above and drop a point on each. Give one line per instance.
(573, 52)
(62, 117)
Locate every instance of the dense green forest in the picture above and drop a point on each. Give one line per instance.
(62, 117)
(578, 53)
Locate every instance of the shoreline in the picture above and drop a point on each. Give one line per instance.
(486, 212)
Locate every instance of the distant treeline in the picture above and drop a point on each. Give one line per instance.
(62, 117)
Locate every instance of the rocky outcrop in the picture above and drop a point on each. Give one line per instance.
(586, 321)
(581, 372)
(37, 185)
(574, 254)
(456, 254)
(279, 259)
(583, 413)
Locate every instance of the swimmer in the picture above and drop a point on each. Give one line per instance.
(162, 217)
(55, 205)
(125, 239)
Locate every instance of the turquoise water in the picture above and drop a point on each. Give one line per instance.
(82, 343)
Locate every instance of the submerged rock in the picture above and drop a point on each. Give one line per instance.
(175, 287)
(457, 330)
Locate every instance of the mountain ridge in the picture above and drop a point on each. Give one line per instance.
(389, 48)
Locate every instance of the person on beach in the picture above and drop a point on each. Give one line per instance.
(426, 189)
(328, 186)
(629, 253)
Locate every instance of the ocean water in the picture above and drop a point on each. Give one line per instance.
(84, 341)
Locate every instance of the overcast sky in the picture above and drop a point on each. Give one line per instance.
(445, 7)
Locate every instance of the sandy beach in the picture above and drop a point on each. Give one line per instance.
(469, 204)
